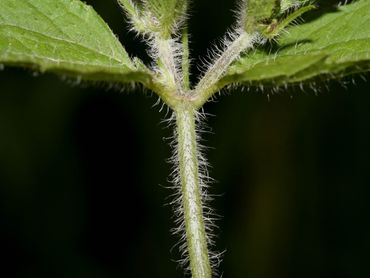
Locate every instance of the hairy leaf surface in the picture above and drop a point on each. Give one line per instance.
(332, 45)
(64, 36)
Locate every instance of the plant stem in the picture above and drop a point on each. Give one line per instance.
(191, 192)
(167, 63)
(185, 58)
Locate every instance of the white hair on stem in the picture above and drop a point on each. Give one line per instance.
(234, 44)
(204, 180)
(169, 53)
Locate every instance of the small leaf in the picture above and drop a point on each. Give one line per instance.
(256, 11)
(275, 27)
(287, 4)
(335, 44)
(156, 16)
(64, 36)
(169, 14)
(129, 7)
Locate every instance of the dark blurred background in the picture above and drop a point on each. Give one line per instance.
(83, 175)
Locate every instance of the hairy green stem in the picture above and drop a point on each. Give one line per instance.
(167, 64)
(191, 192)
(185, 58)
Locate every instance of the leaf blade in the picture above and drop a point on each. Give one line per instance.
(338, 44)
(64, 36)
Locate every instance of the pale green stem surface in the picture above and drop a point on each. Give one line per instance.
(185, 58)
(169, 75)
(191, 192)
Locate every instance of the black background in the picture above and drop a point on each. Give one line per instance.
(83, 174)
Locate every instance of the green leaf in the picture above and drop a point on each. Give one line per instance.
(63, 36)
(165, 10)
(274, 29)
(156, 16)
(287, 4)
(332, 45)
(259, 10)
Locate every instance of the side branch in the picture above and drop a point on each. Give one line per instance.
(207, 86)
